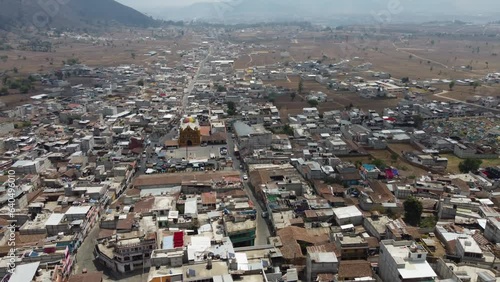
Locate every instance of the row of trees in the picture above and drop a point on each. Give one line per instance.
(24, 85)
(474, 85)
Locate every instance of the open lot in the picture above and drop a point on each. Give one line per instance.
(194, 153)
(336, 100)
(454, 161)
(91, 54)
(423, 55)
(465, 93)
(405, 168)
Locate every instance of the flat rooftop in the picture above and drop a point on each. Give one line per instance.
(198, 271)
(235, 227)
(179, 178)
(411, 269)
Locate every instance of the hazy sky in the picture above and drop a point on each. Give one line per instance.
(138, 4)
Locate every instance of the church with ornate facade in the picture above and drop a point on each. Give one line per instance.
(190, 132)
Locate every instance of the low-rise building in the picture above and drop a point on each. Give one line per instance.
(348, 215)
(404, 261)
(240, 230)
(320, 261)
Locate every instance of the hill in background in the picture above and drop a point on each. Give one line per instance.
(74, 14)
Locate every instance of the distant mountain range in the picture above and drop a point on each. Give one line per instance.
(72, 13)
(237, 11)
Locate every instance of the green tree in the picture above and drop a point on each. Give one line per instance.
(24, 89)
(428, 222)
(418, 121)
(288, 130)
(413, 210)
(379, 163)
(475, 85)
(221, 88)
(73, 61)
(312, 103)
(300, 88)
(4, 91)
(469, 165)
(14, 85)
(132, 55)
(451, 85)
(405, 79)
(293, 95)
(231, 108)
(140, 82)
(394, 157)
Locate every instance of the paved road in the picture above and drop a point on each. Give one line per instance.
(85, 254)
(191, 84)
(262, 232)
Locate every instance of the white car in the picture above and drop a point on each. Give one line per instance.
(245, 177)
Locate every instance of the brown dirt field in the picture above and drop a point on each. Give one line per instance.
(465, 93)
(88, 54)
(453, 162)
(401, 58)
(336, 100)
(15, 99)
(92, 55)
(242, 62)
(445, 51)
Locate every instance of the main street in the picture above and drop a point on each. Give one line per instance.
(192, 83)
(262, 233)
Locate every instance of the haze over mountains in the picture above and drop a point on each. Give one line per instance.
(72, 13)
(83, 13)
(353, 11)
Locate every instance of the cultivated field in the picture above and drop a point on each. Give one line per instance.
(424, 55)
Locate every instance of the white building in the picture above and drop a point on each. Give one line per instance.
(468, 249)
(348, 215)
(337, 146)
(319, 261)
(404, 261)
(87, 143)
(492, 230)
(77, 212)
(253, 137)
(30, 167)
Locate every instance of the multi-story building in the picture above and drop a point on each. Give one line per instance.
(404, 261)
(376, 225)
(468, 249)
(351, 247)
(126, 252)
(492, 230)
(252, 137)
(320, 261)
(240, 230)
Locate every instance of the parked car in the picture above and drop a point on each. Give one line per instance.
(245, 177)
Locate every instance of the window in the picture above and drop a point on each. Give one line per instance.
(419, 256)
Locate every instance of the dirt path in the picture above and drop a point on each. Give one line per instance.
(442, 93)
(419, 57)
